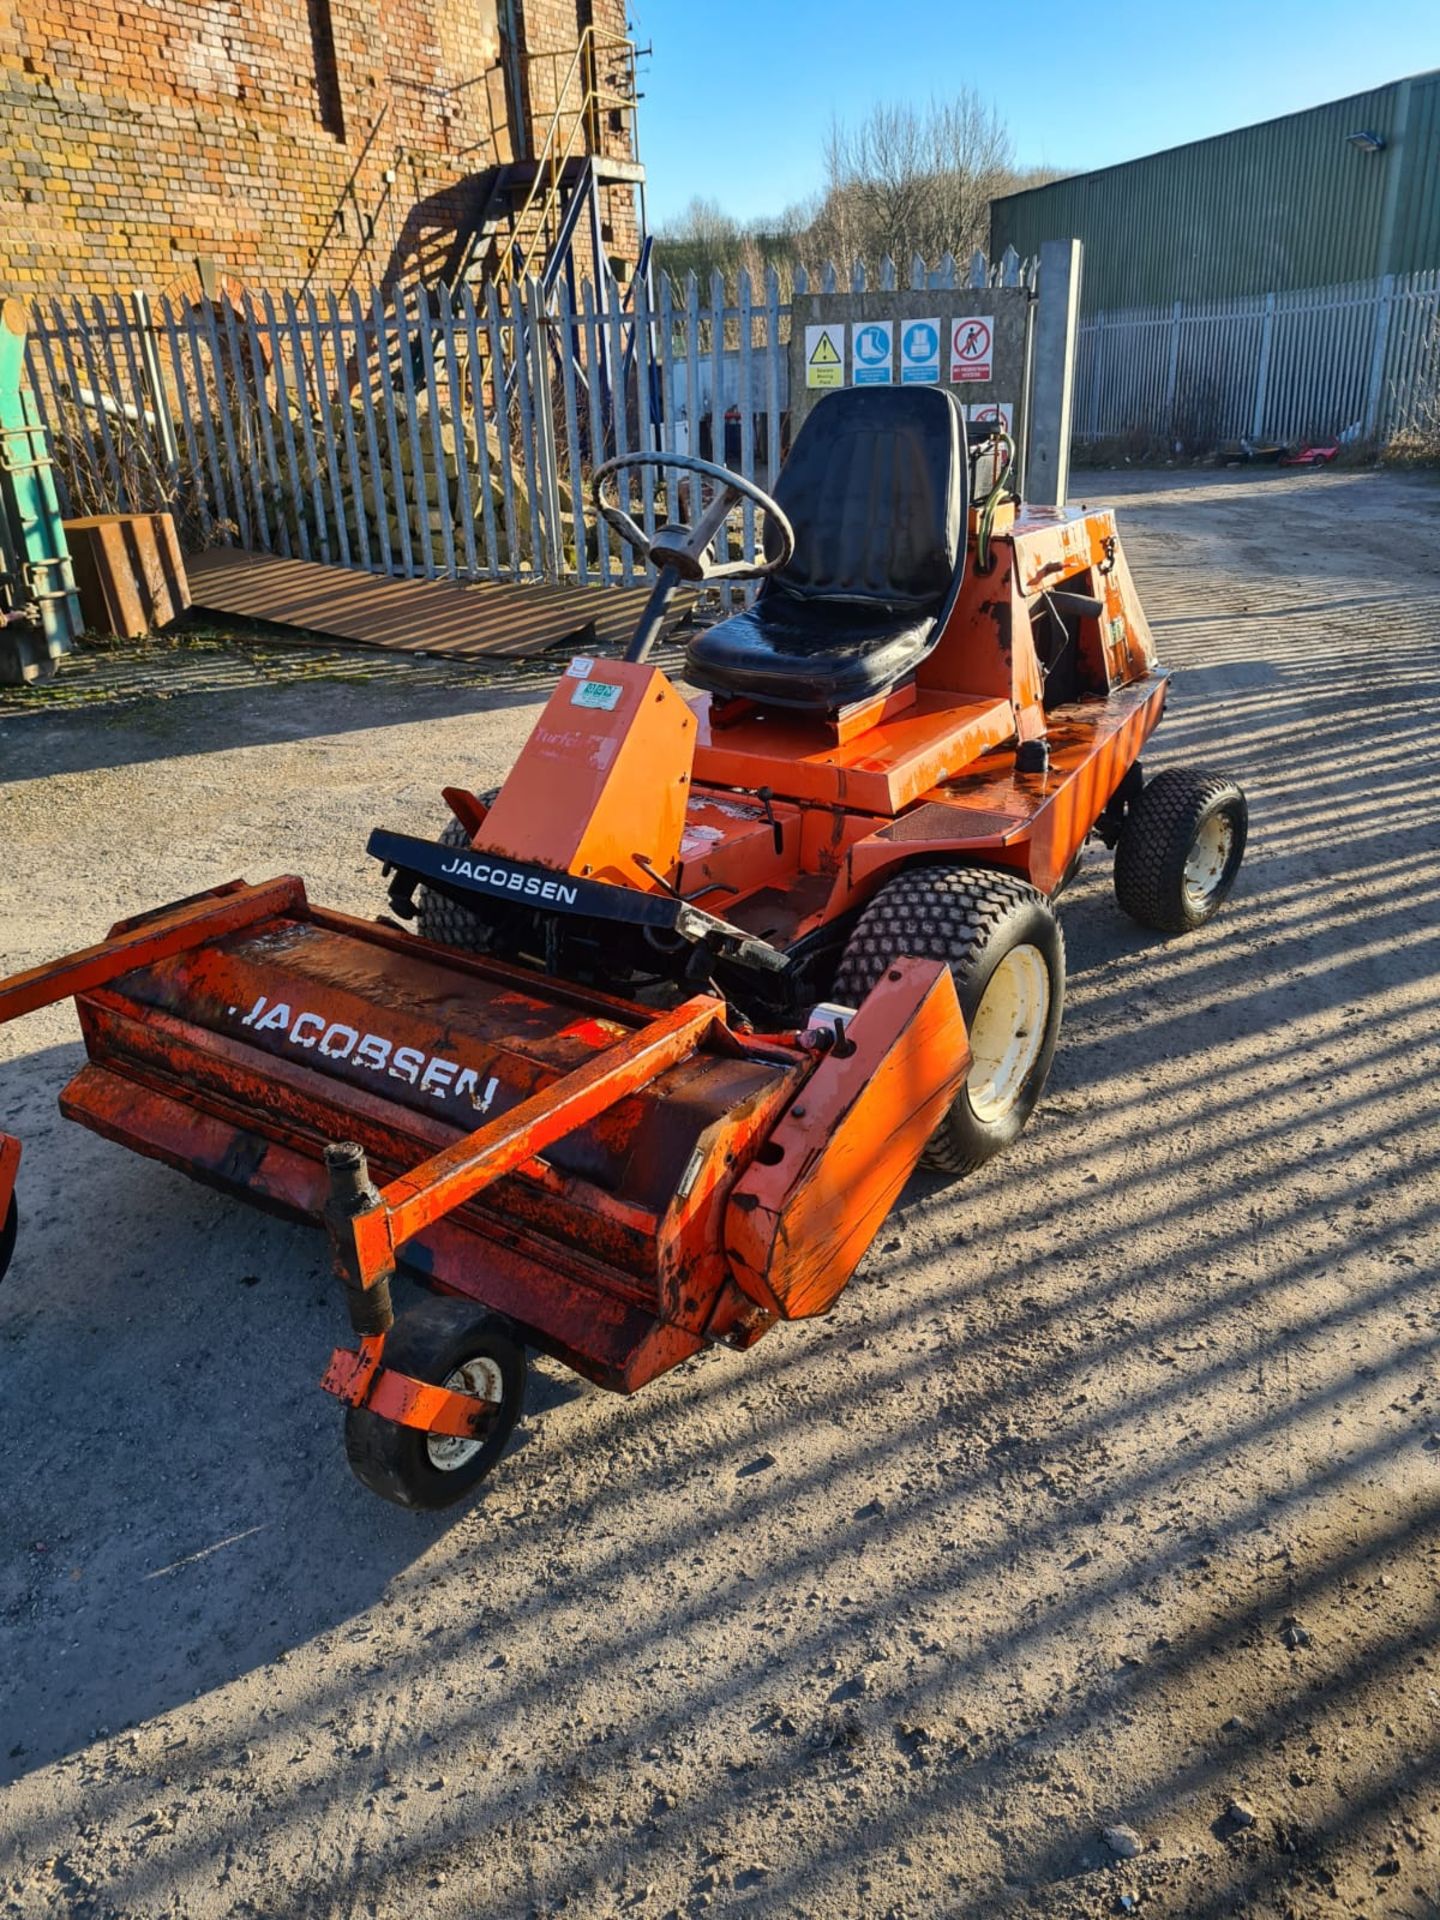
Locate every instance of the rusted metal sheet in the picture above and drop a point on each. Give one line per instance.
(478, 620)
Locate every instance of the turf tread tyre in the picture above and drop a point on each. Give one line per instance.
(445, 921)
(429, 1341)
(1160, 829)
(969, 917)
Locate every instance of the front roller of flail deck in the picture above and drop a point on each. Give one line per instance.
(613, 1185)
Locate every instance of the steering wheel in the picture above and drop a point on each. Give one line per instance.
(687, 549)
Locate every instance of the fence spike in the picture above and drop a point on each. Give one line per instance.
(857, 277)
(919, 273)
(887, 274)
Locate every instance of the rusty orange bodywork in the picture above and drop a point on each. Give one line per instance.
(794, 820)
(880, 772)
(591, 772)
(814, 1198)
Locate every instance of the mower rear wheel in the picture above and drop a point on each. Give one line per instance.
(449, 1343)
(1180, 849)
(1007, 957)
(445, 921)
(8, 1234)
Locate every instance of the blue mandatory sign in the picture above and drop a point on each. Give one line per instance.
(873, 349)
(920, 353)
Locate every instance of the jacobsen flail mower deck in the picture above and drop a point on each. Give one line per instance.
(696, 990)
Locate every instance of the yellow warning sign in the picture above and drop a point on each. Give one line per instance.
(825, 356)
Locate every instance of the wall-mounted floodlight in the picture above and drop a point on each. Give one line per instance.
(1366, 141)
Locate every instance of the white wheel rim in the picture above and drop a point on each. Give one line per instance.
(1209, 857)
(480, 1376)
(1008, 1032)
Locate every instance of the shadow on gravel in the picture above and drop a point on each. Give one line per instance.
(78, 740)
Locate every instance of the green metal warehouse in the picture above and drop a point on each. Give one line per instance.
(1342, 192)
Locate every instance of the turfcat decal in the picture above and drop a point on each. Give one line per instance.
(485, 873)
(430, 1072)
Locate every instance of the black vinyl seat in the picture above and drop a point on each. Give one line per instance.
(875, 488)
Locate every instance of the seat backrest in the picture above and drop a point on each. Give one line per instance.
(875, 488)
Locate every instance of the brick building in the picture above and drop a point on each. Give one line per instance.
(294, 143)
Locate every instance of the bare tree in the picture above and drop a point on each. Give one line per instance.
(904, 180)
(910, 179)
(702, 239)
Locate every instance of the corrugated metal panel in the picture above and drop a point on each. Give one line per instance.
(1267, 209)
(1416, 239)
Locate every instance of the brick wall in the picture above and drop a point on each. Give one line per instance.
(294, 142)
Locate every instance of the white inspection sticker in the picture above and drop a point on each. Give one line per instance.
(579, 667)
(604, 694)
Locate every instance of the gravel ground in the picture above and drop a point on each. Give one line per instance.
(1107, 1500)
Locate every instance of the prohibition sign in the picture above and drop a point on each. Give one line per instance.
(971, 349)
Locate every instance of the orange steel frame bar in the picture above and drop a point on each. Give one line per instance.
(207, 917)
(418, 1199)
(9, 1167)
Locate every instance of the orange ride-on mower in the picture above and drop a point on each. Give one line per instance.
(694, 992)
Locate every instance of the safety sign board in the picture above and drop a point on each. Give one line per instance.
(872, 347)
(989, 413)
(825, 355)
(972, 348)
(919, 353)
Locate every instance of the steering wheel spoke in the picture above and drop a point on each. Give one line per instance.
(687, 549)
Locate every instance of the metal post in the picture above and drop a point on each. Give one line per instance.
(547, 457)
(1057, 320)
(155, 383)
(1172, 372)
(1262, 372)
(1376, 385)
(604, 290)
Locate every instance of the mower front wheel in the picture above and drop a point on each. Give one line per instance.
(443, 920)
(1180, 849)
(1007, 957)
(448, 1343)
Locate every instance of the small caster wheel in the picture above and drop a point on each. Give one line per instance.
(7, 1236)
(1180, 849)
(449, 1343)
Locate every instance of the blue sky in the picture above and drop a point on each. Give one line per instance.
(739, 93)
